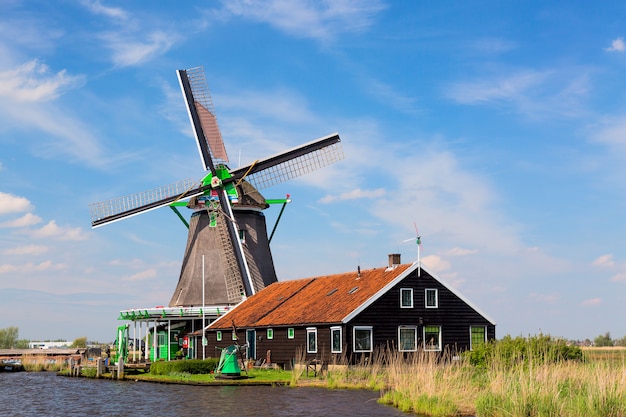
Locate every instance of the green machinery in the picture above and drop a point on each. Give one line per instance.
(228, 367)
(167, 349)
(121, 344)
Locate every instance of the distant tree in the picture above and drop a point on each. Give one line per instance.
(22, 344)
(80, 342)
(603, 340)
(621, 342)
(8, 337)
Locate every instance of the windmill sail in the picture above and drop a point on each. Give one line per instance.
(227, 224)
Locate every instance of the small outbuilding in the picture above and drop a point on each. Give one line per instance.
(344, 317)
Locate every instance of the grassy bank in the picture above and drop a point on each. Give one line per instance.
(521, 377)
(532, 377)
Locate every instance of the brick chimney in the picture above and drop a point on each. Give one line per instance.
(394, 260)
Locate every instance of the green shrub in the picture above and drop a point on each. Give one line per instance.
(192, 366)
(510, 351)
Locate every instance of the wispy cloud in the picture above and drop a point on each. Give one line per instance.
(617, 45)
(10, 203)
(27, 250)
(28, 219)
(307, 19)
(136, 49)
(143, 275)
(33, 82)
(355, 194)
(31, 267)
(461, 252)
(604, 260)
(531, 92)
(545, 298)
(132, 41)
(52, 230)
(96, 7)
(591, 302)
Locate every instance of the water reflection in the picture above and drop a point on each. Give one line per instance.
(45, 394)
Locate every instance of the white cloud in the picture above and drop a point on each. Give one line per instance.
(143, 275)
(127, 50)
(533, 93)
(28, 219)
(31, 267)
(461, 252)
(617, 45)
(591, 302)
(355, 194)
(545, 298)
(621, 277)
(604, 260)
(10, 203)
(436, 263)
(52, 230)
(32, 82)
(321, 20)
(96, 7)
(27, 250)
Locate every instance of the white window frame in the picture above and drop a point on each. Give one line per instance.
(426, 347)
(311, 331)
(402, 290)
(291, 333)
(400, 347)
(270, 334)
(371, 332)
(436, 298)
(233, 335)
(472, 339)
(218, 335)
(332, 346)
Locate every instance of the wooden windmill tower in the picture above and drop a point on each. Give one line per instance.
(227, 228)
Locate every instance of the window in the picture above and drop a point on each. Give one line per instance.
(407, 338)
(335, 339)
(291, 333)
(233, 335)
(218, 335)
(270, 334)
(432, 338)
(406, 297)
(362, 339)
(431, 298)
(242, 235)
(478, 336)
(161, 337)
(311, 340)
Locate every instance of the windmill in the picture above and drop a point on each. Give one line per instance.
(227, 225)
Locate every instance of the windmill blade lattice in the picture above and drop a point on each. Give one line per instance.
(292, 163)
(122, 207)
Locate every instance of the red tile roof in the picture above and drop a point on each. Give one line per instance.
(325, 299)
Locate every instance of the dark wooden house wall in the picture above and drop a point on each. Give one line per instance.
(453, 314)
(385, 315)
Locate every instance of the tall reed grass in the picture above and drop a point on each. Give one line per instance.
(39, 363)
(521, 377)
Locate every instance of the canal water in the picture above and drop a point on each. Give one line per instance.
(45, 394)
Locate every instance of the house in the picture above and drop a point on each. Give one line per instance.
(345, 316)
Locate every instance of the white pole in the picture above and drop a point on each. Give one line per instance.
(203, 308)
(169, 338)
(419, 262)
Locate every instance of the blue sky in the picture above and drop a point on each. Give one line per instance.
(498, 128)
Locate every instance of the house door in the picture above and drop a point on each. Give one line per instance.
(251, 339)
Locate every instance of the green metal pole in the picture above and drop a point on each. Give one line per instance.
(285, 202)
(180, 216)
